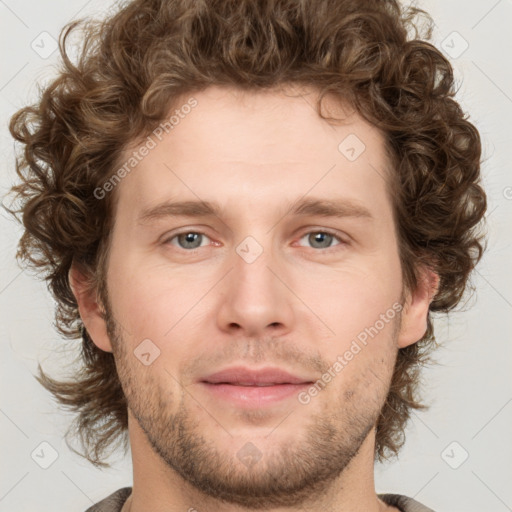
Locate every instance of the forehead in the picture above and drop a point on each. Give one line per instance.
(265, 145)
(265, 125)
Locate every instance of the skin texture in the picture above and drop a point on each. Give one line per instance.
(298, 306)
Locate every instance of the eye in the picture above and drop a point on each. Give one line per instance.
(187, 240)
(321, 239)
(191, 240)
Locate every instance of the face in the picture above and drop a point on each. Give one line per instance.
(267, 281)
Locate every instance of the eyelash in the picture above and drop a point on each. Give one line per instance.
(315, 231)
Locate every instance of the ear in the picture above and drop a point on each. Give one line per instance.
(91, 311)
(415, 312)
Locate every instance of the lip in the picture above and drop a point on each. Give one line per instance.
(247, 388)
(240, 375)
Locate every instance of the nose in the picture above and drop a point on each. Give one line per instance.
(256, 298)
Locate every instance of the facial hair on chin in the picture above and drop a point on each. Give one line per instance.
(292, 475)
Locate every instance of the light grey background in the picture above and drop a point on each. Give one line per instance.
(470, 392)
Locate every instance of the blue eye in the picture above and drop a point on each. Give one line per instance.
(322, 238)
(187, 239)
(192, 240)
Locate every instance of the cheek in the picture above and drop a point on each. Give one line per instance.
(353, 298)
(360, 310)
(150, 303)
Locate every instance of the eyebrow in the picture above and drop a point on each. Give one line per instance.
(336, 208)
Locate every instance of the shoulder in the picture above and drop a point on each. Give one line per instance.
(403, 503)
(112, 503)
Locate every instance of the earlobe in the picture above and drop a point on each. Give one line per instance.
(91, 311)
(416, 307)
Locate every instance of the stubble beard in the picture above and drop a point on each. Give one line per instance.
(291, 474)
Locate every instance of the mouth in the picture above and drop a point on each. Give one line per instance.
(249, 384)
(244, 387)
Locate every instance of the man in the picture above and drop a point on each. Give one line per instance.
(247, 211)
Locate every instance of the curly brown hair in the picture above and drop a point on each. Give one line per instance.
(130, 68)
